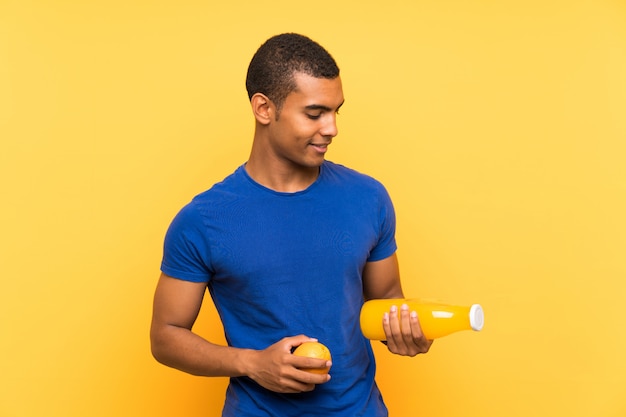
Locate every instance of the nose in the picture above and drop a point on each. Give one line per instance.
(329, 128)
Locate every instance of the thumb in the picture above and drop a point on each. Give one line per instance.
(295, 341)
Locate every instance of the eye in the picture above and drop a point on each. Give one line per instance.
(313, 116)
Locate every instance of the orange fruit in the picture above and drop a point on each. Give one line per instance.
(314, 350)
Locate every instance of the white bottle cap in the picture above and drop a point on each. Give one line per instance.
(477, 317)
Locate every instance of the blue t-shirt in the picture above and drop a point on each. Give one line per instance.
(282, 264)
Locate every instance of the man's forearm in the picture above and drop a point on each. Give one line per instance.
(180, 348)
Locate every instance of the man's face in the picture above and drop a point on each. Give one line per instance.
(307, 123)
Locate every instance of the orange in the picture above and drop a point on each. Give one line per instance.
(314, 350)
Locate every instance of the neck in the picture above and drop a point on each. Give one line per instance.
(280, 178)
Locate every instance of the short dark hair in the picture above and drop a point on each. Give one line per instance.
(271, 71)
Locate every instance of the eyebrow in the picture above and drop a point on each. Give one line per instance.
(322, 107)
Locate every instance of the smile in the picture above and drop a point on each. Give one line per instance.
(320, 147)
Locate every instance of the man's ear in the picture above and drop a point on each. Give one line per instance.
(262, 108)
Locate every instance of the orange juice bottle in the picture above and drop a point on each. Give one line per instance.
(436, 319)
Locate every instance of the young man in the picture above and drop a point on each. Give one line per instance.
(289, 246)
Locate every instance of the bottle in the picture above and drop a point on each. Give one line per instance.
(436, 319)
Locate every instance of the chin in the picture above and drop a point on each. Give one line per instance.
(316, 163)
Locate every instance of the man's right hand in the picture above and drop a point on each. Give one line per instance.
(277, 369)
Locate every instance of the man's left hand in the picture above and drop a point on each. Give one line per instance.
(404, 333)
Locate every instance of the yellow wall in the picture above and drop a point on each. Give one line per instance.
(498, 127)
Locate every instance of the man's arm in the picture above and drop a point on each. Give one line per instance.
(176, 307)
(381, 279)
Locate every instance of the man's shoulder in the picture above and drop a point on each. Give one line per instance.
(229, 184)
(350, 175)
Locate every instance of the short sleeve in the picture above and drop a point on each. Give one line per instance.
(386, 245)
(186, 251)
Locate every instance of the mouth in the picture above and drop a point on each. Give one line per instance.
(320, 147)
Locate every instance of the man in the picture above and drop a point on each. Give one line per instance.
(289, 246)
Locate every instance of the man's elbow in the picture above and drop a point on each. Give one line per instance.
(158, 346)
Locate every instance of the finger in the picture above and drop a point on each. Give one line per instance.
(292, 342)
(386, 326)
(394, 337)
(314, 378)
(405, 344)
(304, 362)
(405, 324)
(419, 339)
(301, 385)
(301, 380)
(292, 380)
(293, 386)
(416, 328)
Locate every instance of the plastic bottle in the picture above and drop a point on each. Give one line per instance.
(436, 319)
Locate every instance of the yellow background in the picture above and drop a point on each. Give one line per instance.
(499, 128)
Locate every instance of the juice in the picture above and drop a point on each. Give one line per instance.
(436, 319)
